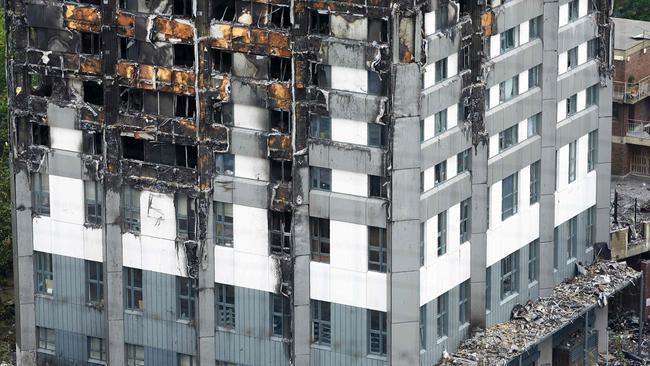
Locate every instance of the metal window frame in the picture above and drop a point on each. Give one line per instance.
(513, 85)
(132, 355)
(377, 347)
(131, 290)
(488, 289)
(589, 227)
(278, 226)
(94, 201)
(185, 223)
(41, 194)
(592, 154)
(465, 220)
(441, 72)
(319, 179)
(226, 311)
(464, 159)
(318, 240)
(280, 318)
(321, 323)
(533, 261)
(508, 138)
(93, 351)
(320, 127)
(509, 40)
(379, 248)
(534, 27)
(535, 172)
(442, 233)
(423, 235)
(572, 160)
(131, 209)
(463, 303)
(572, 58)
(440, 173)
(98, 282)
(442, 315)
(511, 196)
(224, 224)
(225, 164)
(572, 238)
(509, 275)
(44, 272)
(46, 337)
(186, 296)
(440, 122)
(423, 327)
(574, 12)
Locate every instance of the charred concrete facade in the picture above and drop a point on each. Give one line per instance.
(298, 182)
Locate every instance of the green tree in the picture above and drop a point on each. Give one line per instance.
(6, 258)
(632, 9)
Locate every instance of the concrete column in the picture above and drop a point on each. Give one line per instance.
(478, 260)
(545, 352)
(205, 327)
(604, 163)
(23, 250)
(600, 325)
(548, 163)
(113, 277)
(404, 227)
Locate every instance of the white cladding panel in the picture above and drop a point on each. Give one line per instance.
(350, 131)
(353, 80)
(248, 116)
(349, 183)
(65, 139)
(252, 167)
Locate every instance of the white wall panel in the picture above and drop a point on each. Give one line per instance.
(164, 256)
(224, 265)
(346, 130)
(564, 15)
(255, 271)
(353, 80)
(452, 65)
(157, 215)
(252, 167)
(66, 200)
(348, 246)
(524, 32)
(65, 139)
(429, 23)
(250, 230)
(131, 251)
(349, 183)
(349, 27)
(493, 144)
(248, 116)
(523, 82)
(348, 287)
(92, 241)
(561, 110)
(376, 291)
(444, 273)
(562, 62)
(494, 96)
(429, 75)
(67, 239)
(582, 7)
(582, 53)
(582, 100)
(319, 281)
(495, 45)
(522, 130)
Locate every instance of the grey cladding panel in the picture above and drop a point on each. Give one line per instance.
(577, 126)
(354, 106)
(441, 96)
(439, 46)
(248, 142)
(515, 62)
(444, 196)
(513, 13)
(514, 111)
(577, 32)
(442, 147)
(514, 159)
(577, 79)
(64, 164)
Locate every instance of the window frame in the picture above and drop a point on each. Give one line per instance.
(320, 179)
(509, 40)
(380, 249)
(320, 127)
(442, 316)
(440, 122)
(321, 323)
(510, 275)
(533, 261)
(318, 240)
(465, 220)
(511, 197)
(513, 85)
(94, 286)
(225, 164)
(44, 272)
(226, 311)
(93, 202)
(423, 327)
(535, 181)
(224, 224)
(463, 303)
(93, 351)
(46, 337)
(133, 351)
(280, 316)
(572, 161)
(185, 298)
(442, 233)
(441, 70)
(41, 194)
(572, 238)
(464, 161)
(131, 209)
(508, 138)
(377, 332)
(185, 222)
(440, 173)
(133, 294)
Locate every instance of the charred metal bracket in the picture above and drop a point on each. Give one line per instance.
(605, 34)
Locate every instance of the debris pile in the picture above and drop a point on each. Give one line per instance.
(539, 319)
(628, 195)
(623, 340)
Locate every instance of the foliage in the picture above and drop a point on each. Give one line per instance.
(6, 258)
(632, 9)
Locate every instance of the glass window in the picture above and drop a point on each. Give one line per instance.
(509, 275)
(509, 39)
(440, 122)
(376, 135)
(96, 349)
(465, 220)
(442, 315)
(533, 125)
(134, 355)
(377, 335)
(185, 360)
(508, 89)
(280, 232)
(376, 249)
(44, 273)
(185, 217)
(464, 160)
(442, 233)
(573, 10)
(225, 164)
(41, 194)
(572, 161)
(320, 239)
(321, 322)
(535, 181)
(572, 58)
(593, 48)
(94, 281)
(377, 186)
(533, 261)
(225, 306)
(133, 284)
(94, 197)
(46, 339)
(488, 289)
(320, 127)
(572, 238)
(441, 70)
(423, 327)
(440, 173)
(463, 303)
(589, 227)
(321, 178)
(592, 95)
(556, 241)
(185, 303)
(572, 105)
(131, 209)
(509, 196)
(535, 27)
(423, 235)
(223, 217)
(508, 137)
(535, 76)
(281, 316)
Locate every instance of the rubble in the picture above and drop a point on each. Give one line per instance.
(536, 320)
(623, 195)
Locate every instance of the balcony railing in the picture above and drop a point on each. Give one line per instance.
(638, 129)
(631, 92)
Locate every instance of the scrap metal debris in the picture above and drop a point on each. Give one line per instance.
(539, 319)
(630, 198)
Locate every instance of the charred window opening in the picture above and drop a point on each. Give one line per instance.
(161, 103)
(223, 10)
(280, 68)
(90, 43)
(182, 8)
(280, 16)
(131, 99)
(377, 30)
(280, 232)
(185, 217)
(92, 2)
(320, 75)
(40, 134)
(377, 186)
(376, 135)
(281, 171)
(281, 120)
(223, 113)
(465, 57)
(40, 85)
(185, 106)
(93, 93)
(183, 55)
(319, 22)
(39, 38)
(376, 84)
(128, 5)
(221, 60)
(225, 164)
(92, 142)
(159, 152)
(129, 49)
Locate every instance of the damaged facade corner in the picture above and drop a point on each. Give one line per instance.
(291, 176)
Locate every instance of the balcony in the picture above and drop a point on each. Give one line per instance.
(638, 132)
(631, 93)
